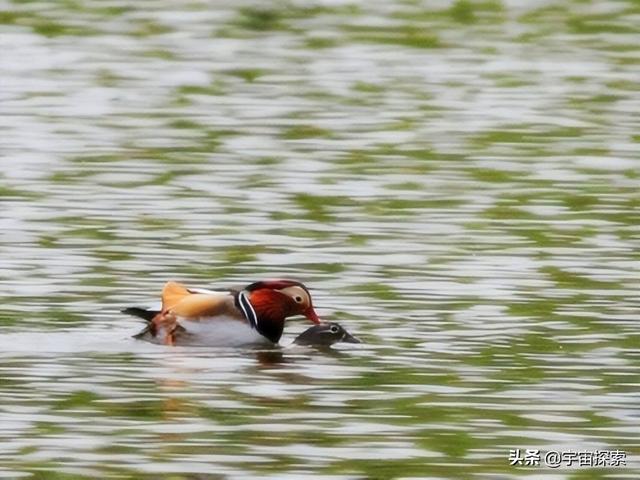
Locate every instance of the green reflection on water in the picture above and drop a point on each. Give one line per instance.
(470, 209)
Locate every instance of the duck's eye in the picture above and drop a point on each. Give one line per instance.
(333, 329)
(298, 299)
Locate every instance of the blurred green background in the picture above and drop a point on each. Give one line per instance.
(457, 182)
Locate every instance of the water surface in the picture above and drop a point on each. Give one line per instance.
(457, 182)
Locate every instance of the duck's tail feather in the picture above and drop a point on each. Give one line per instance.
(144, 334)
(143, 313)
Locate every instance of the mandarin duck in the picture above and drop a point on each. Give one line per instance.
(252, 315)
(324, 335)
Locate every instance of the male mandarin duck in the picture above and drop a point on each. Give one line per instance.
(253, 315)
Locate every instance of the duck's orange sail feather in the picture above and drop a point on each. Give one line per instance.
(179, 301)
(172, 293)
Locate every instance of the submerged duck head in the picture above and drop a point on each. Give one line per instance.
(325, 334)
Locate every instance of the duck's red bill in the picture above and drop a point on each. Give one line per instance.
(311, 314)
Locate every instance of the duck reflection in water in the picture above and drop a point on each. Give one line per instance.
(319, 338)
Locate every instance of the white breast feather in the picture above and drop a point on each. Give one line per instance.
(219, 332)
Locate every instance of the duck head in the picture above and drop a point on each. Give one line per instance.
(325, 334)
(273, 301)
(281, 298)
